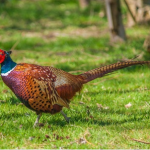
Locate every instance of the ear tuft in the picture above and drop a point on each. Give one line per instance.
(9, 52)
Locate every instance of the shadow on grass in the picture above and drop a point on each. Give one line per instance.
(132, 116)
(10, 115)
(14, 101)
(77, 118)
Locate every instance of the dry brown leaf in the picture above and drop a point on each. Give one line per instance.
(47, 136)
(2, 101)
(82, 141)
(128, 105)
(81, 103)
(5, 91)
(41, 124)
(101, 107)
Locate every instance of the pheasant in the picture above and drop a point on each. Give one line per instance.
(46, 89)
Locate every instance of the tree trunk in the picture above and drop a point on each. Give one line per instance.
(84, 3)
(140, 9)
(114, 16)
(147, 43)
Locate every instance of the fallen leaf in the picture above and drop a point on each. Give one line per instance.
(101, 107)
(67, 137)
(81, 103)
(47, 136)
(5, 91)
(57, 137)
(91, 117)
(128, 105)
(44, 140)
(106, 107)
(2, 101)
(41, 124)
(82, 141)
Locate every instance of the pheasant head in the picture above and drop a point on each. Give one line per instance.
(3, 55)
(6, 62)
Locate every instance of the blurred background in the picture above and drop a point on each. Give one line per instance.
(71, 34)
(76, 36)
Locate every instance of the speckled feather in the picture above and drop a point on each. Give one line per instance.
(34, 86)
(47, 89)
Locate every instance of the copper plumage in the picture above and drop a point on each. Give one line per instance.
(47, 89)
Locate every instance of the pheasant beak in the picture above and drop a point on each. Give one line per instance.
(9, 52)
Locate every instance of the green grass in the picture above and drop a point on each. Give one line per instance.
(59, 34)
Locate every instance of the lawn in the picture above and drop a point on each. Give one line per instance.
(59, 34)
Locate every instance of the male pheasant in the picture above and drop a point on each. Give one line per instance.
(47, 89)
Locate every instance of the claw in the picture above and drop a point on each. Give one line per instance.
(68, 119)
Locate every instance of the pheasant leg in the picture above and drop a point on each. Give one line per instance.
(65, 116)
(37, 120)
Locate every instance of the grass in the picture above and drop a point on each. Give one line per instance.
(59, 34)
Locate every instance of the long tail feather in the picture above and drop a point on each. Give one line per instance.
(102, 71)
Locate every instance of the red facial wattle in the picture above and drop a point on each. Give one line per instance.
(2, 56)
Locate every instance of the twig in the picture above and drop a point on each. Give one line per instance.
(87, 133)
(140, 141)
(133, 17)
(14, 46)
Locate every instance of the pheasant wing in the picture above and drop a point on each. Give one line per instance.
(41, 88)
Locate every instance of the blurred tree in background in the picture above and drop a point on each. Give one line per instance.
(59, 14)
(84, 3)
(3, 1)
(114, 16)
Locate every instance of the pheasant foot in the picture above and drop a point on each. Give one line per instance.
(65, 116)
(37, 120)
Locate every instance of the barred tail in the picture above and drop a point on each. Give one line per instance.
(102, 71)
